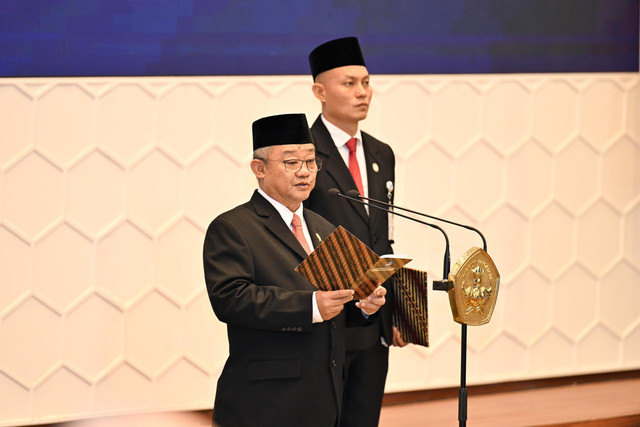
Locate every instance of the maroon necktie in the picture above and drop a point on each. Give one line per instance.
(353, 165)
(297, 231)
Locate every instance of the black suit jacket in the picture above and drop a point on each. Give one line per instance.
(372, 229)
(282, 369)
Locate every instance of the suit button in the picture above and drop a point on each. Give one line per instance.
(333, 324)
(334, 363)
(299, 328)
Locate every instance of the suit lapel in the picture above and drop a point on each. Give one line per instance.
(314, 230)
(376, 184)
(274, 223)
(335, 167)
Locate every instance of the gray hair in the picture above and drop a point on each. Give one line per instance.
(261, 153)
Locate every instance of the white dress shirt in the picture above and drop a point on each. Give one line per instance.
(287, 217)
(340, 138)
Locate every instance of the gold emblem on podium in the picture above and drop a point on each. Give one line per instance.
(474, 292)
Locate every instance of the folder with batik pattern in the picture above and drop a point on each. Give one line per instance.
(342, 261)
(410, 313)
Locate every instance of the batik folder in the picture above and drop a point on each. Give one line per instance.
(410, 314)
(342, 261)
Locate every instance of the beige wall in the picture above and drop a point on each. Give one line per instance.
(107, 186)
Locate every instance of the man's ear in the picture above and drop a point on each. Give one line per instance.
(258, 168)
(318, 91)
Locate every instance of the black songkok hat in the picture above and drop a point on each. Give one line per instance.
(283, 129)
(335, 53)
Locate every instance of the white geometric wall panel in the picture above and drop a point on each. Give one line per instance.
(108, 184)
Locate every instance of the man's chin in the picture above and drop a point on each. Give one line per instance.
(303, 193)
(361, 116)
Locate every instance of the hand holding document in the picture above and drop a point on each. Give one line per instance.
(342, 261)
(371, 304)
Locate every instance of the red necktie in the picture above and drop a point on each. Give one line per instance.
(353, 165)
(297, 231)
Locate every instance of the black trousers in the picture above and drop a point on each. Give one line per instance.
(365, 373)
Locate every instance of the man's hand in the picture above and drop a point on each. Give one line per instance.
(373, 302)
(331, 303)
(397, 338)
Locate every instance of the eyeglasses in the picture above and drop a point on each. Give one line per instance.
(295, 165)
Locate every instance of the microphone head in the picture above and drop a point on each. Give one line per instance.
(353, 193)
(389, 186)
(334, 192)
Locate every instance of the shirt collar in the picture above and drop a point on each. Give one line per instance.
(285, 213)
(339, 136)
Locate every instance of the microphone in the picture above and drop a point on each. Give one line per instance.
(335, 192)
(355, 194)
(447, 259)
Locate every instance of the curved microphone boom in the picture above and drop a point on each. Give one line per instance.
(355, 194)
(447, 259)
(440, 285)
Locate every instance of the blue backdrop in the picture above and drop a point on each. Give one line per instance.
(238, 37)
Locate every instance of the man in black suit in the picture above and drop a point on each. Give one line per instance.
(286, 338)
(354, 161)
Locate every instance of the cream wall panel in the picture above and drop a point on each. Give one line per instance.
(107, 186)
(555, 117)
(16, 118)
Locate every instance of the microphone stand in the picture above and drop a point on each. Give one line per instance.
(441, 285)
